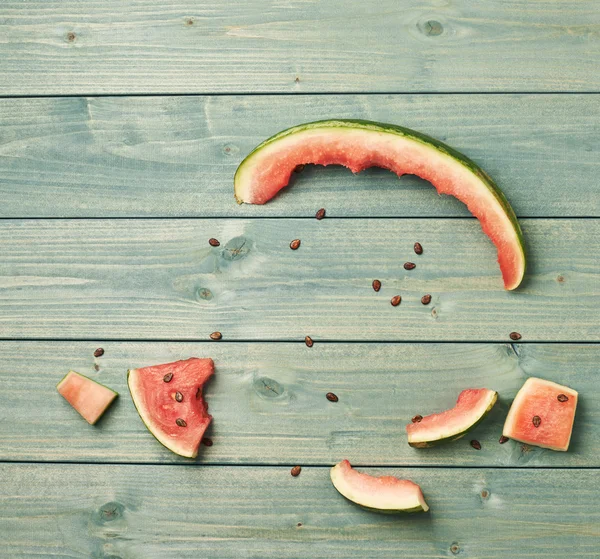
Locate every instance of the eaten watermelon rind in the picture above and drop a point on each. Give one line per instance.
(375, 493)
(107, 404)
(435, 438)
(243, 174)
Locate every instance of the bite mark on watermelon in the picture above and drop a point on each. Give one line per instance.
(90, 398)
(544, 400)
(358, 145)
(169, 399)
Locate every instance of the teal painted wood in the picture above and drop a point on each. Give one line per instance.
(132, 512)
(160, 279)
(176, 156)
(269, 405)
(62, 47)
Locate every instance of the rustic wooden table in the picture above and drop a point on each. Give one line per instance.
(121, 125)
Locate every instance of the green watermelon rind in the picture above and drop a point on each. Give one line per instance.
(413, 135)
(459, 434)
(193, 455)
(388, 511)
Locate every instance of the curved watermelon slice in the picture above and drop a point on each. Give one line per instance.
(385, 494)
(471, 407)
(169, 400)
(359, 144)
(542, 414)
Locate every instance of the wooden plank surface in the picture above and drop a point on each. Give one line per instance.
(160, 279)
(60, 47)
(165, 511)
(269, 405)
(176, 156)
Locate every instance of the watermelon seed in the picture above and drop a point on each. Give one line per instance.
(418, 248)
(214, 242)
(409, 265)
(206, 441)
(417, 419)
(99, 352)
(454, 549)
(179, 396)
(295, 471)
(308, 341)
(536, 421)
(376, 285)
(503, 439)
(320, 214)
(298, 168)
(476, 444)
(168, 377)
(295, 244)
(426, 299)
(562, 398)
(515, 336)
(331, 397)
(485, 494)
(396, 300)
(216, 336)
(180, 422)
(199, 393)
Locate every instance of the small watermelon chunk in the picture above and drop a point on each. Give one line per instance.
(90, 398)
(360, 144)
(169, 400)
(471, 407)
(385, 494)
(542, 414)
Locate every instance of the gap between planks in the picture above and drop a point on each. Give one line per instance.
(289, 94)
(290, 465)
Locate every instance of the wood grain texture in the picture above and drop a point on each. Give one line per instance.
(269, 405)
(160, 279)
(69, 47)
(132, 512)
(176, 156)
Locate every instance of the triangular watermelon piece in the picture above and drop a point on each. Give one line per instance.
(88, 397)
(169, 400)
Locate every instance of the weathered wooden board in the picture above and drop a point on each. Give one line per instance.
(269, 406)
(132, 512)
(60, 47)
(176, 156)
(160, 279)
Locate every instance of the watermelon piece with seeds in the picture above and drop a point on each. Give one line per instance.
(169, 399)
(542, 414)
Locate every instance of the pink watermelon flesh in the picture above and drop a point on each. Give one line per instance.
(385, 493)
(269, 168)
(539, 397)
(88, 397)
(471, 407)
(159, 409)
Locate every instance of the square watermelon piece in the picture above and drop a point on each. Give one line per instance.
(542, 414)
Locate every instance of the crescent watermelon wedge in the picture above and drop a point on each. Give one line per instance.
(359, 144)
